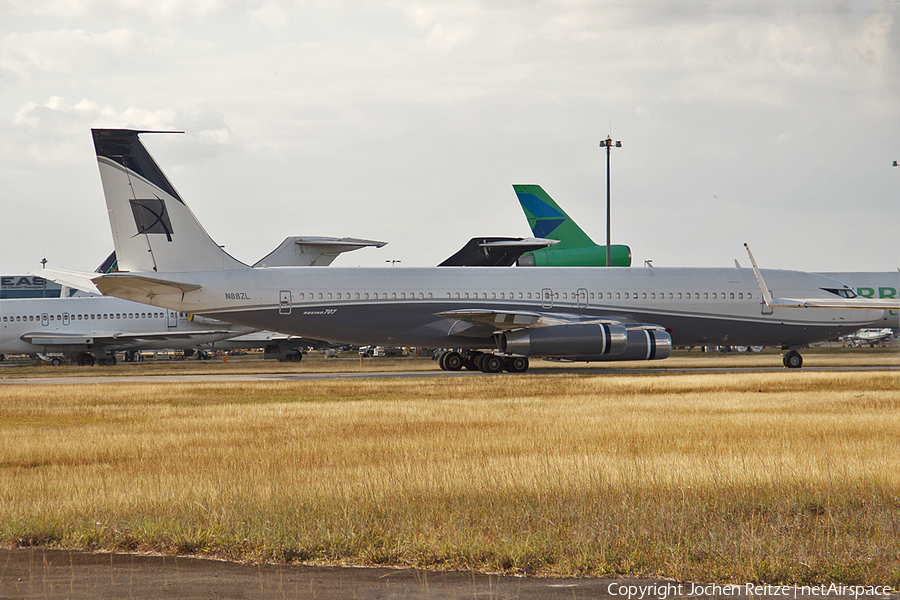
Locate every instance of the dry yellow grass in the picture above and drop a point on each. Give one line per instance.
(788, 477)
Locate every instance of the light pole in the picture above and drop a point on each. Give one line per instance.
(608, 142)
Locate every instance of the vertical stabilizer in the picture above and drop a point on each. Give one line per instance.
(575, 248)
(153, 229)
(548, 220)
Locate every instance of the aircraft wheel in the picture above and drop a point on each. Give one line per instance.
(55, 362)
(471, 359)
(452, 361)
(86, 360)
(295, 357)
(517, 364)
(491, 363)
(440, 359)
(792, 360)
(478, 361)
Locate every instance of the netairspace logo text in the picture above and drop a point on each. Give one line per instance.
(662, 591)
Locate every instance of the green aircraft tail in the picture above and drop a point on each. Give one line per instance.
(575, 247)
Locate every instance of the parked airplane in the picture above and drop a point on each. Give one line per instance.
(575, 248)
(169, 260)
(86, 328)
(872, 337)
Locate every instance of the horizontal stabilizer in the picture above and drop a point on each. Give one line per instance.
(495, 251)
(311, 251)
(79, 280)
(138, 287)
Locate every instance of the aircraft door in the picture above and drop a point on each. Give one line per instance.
(66, 319)
(45, 319)
(546, 298)
(581, 298)
(284, 302)
(172, 318)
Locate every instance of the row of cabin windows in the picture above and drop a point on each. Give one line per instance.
(89, 317)
(529, 295)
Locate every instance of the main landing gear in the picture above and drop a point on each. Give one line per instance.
(453, 360)
(792, 360)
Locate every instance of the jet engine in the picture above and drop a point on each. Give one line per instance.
(643, 344)
(588, 342)
(565, 340)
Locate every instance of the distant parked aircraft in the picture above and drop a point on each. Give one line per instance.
(575, 248)
(89, 328)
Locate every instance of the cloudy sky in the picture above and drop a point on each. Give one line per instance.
(773, 123)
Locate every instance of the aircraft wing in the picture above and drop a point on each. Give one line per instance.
(478, 322)
(858, 302)
(43, 338)
(837, 302)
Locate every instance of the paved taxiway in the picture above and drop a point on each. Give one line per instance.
(225, 378)
(38, 573)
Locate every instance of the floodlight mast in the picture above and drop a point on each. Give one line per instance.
(608, 143)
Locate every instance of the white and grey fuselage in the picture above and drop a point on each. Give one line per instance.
(403, 306)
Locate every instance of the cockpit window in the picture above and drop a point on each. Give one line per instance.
(843, 293)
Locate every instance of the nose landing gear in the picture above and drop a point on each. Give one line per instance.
(792, 360)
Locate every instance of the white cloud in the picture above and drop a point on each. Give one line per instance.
(390, 115)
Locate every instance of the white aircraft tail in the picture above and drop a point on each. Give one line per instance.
(153, 229)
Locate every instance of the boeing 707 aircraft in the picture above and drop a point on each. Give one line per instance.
(507, 316)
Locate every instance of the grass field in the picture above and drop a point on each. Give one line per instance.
(784, 477)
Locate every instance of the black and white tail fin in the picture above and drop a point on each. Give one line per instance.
(153, 229)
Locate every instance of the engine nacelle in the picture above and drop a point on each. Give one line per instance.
(643, 344)
(566, 340)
